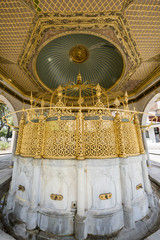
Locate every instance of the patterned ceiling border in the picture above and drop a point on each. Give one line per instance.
(115, 21)
(5, 61)
(147, 81)
(152, 88)
(13, 83)
(17, 86)
(156, 58)
(29, 4)
(13, 94)
(127, 3)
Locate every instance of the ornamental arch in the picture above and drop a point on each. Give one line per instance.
(15, 120)
(11, 108)
(148, 107)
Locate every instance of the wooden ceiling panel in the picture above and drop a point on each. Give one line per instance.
(144, 21)
(135, 23)
(50, 6)
(15, 22)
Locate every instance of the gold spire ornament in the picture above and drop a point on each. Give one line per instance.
(79, 79)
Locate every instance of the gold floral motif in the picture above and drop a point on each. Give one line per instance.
(120, 136)
(130, 139)
(100, 139)
(60, 139)
(29, 140)
(80, 135)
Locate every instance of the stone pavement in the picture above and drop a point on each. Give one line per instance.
(154, 236)
(5, 177)
(154, 173)
(5, 236)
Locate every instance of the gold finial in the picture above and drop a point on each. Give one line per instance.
(98, 91)
(31, 99)
(116, 103)
(80, 100)
(42, 103)
(59, 91)
(79, 79)
(126, 97)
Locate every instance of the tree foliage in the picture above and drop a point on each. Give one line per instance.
(5, 130)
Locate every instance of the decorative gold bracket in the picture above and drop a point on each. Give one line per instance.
(139, 186)
(21, 188)
(105, 196)
(56, 197)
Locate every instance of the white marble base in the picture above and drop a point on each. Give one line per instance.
(81, 211)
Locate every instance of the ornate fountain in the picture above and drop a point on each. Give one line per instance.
(80, 165)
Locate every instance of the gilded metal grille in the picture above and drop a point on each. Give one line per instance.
(15, 22)
(62, 132)
(144, 19)
(29, 139)
(77, 5)
(60, 139)
(100, 139)
(130, 138)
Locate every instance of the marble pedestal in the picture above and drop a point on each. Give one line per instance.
(81, 185)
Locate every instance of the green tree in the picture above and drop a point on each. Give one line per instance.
(5, 130)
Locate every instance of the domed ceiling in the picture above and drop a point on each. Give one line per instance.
(60, 61)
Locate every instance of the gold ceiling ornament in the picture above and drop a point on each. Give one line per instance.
(61, 131)
(79, 53)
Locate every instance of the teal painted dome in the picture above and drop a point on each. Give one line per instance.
(60, 61)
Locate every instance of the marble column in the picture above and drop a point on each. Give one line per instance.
(35, 195)
(80, 219)
(146, 149)
(126, 194)
(14, 141)
(12, 191)
(147, 185)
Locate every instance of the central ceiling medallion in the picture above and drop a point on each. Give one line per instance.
(78, 53)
